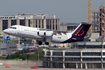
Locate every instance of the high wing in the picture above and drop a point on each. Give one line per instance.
(54, 31)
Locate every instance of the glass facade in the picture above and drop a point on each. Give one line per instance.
(103, 59)
(50, 23)
(57, 65)
(56, 24)
(72, 53)
(13, 22)
(70, 65)
(103, 65)
(5, 24)
(91, 59)
(91, 53)
(71, 28)
(29, 23)
(57, 58)
(57, 53)
(47, 58)
(103, 53)
(39, 23)
(42, 23)
(93, 65)
(53, 24)
(95, 21)
(94, 46)
(48, 53)
(47, 24)
(22, 22)
(72, 59)
(36, 23)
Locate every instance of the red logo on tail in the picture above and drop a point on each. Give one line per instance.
(77, 34)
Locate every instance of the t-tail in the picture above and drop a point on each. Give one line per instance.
(79, 33)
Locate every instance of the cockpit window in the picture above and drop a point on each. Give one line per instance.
(13, 27)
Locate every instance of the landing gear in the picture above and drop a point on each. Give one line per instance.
(39, 42)
(8, 37)
(47, 43)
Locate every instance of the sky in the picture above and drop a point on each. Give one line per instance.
(69, 11)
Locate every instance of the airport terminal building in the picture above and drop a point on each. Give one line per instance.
(82, 55)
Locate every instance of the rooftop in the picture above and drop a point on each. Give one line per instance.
(70, 24)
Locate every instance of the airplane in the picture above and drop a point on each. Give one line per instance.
(47, 35)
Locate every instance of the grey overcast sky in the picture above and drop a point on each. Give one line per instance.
(66, 10)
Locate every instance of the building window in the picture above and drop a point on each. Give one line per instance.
(29, 23)
(57, 53)
(104, 53)
(72, 59)
(57, 58)
(56, 24)
(5, 24)
(91, 53)
(91, 59)
(53, 24)
(22, 22)
(103, 59)
(96, 46)
(47, 58)
(47, 24)
(36, 22)
(13, 22)
(39, 23)
(72, 53)
(50, 23)
(42, 23)
(48, 53)
(71, 28)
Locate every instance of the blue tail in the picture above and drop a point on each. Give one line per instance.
(80, 32)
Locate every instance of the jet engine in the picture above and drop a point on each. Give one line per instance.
(41, 43)
(45, 33)
(48, 33)
(41, 33)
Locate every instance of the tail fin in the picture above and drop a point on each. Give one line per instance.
(81, 30)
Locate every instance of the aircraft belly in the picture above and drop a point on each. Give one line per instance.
(59, 39)
(55, 39)
(27, 34)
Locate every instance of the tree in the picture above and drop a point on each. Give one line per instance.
(23, 56)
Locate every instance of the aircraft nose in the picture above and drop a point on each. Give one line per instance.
(5, 31)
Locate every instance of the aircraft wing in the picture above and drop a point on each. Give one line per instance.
(59, 32)
(54, 31)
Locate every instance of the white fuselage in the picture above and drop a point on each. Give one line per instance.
(38, 34)
(47, 35)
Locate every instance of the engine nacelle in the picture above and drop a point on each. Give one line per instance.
(41, 33)
(45, 33)
(48, 33)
